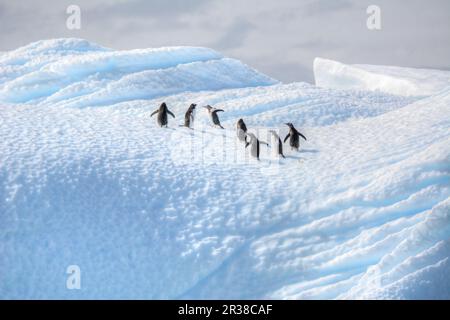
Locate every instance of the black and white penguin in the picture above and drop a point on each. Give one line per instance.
(213, 115)
(162, 115)
(277, 140)
(241, 130)
(255, 145)
(294, 136)
(189, 116)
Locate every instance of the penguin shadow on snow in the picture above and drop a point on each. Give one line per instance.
(213, 131)
(297, 155)
(308, 151)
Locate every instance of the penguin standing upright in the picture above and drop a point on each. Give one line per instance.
(162, 112)
(189, 116)
(213, 114)
(294, 136)
(255, 145)
(277, 139)
(241, 130)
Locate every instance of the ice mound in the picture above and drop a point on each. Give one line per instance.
(65, 68)
(32, 57)
(389, 79)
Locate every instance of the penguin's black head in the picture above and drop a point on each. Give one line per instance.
(163, 105)
(290, 125)
(240, 121)
(193, 106)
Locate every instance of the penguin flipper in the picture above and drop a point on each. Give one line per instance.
(153, 113)
(302, 136)
(169, 112)
(287, 137)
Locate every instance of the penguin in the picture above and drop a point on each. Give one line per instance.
(189, 116)
(280, 143)
(294, 136)
(241, 130)
(213, 114)
(255, 145)
(162, 115)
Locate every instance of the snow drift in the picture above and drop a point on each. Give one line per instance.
(393, 80)
(88, 179)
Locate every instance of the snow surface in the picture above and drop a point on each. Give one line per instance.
(87, 178)
(388, 79)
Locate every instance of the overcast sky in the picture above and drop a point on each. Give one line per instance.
(280, 38)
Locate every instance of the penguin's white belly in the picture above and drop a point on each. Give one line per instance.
(192, 117)
(254, 150)
(240, 134)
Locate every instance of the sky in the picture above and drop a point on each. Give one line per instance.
(279, 38)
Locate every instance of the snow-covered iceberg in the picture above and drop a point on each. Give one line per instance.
(88, 179)
(388, 79)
